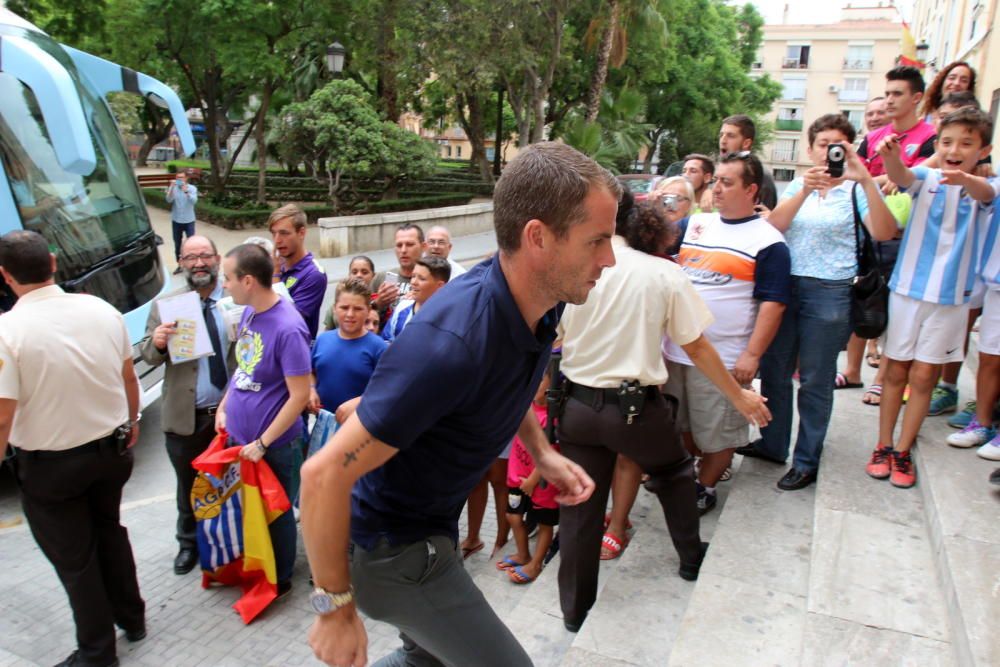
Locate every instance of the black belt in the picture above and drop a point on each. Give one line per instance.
(596, 397)
(92, 446)
(206, 412)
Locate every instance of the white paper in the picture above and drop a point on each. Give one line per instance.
(191, 340)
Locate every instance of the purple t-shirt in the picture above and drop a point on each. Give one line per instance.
(306, 282)
(270, 346)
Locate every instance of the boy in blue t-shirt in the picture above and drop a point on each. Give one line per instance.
(344, 359)
(932, 281)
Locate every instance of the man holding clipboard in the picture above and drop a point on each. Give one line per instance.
(191, 389)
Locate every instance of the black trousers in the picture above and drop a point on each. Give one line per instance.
(593, 436)
(72, 506)
(182, 449)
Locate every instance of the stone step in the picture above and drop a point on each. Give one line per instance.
(846, 572)
(642, 600)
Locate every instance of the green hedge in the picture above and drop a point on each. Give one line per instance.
(257, 217)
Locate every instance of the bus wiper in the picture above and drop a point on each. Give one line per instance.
(138, 246)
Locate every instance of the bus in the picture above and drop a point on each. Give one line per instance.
(66, 173)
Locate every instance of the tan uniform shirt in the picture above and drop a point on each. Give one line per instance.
(61, 359)
(616, 334)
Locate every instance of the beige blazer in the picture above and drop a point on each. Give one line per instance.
(180, 380)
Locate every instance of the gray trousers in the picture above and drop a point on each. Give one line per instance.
(443, 619)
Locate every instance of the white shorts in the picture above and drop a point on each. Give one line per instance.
(978, 294)
(929, 332)
(703, 411)
(989, 323)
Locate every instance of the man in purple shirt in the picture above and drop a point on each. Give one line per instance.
(263, 406)
(296, 268)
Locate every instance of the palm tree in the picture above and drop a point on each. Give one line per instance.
(613, 48)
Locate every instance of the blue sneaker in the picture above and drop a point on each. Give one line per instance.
(973, 435)
(943, 400)
(962, 419)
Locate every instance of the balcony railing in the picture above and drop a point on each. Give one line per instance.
(782, 155)
(852, 95)
(794, 63)
(788, 125)
(857, 64)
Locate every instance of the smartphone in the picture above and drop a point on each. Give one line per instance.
(391, 278)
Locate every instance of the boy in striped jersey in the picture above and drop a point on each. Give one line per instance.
(981, 430)
(932, 281)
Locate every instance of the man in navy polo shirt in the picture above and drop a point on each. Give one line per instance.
(445, 400)
(296, 268)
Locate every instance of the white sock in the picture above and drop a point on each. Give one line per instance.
(948, 385)
(710, 490)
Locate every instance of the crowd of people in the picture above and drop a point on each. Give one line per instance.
(663, 314)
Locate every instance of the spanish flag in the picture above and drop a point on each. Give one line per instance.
(908, 49)
(234, 500)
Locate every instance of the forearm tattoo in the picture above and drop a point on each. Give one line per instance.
(352, 455)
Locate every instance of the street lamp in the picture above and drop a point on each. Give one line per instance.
(335, 58)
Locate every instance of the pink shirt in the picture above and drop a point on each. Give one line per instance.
(520, 466)
(912, 140)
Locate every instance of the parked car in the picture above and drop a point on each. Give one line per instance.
(640, 185)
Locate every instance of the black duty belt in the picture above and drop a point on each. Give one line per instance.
(92, 446)
(597, 397)
(206, 412)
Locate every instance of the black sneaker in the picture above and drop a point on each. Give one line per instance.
(995, 477)
(706, 500)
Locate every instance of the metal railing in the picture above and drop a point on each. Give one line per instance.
(857, 64)
(782, 155)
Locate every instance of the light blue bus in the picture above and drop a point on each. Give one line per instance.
(66, 172)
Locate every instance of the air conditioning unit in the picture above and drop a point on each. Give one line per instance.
(833, 88)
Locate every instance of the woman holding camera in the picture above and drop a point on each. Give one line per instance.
(817, 217)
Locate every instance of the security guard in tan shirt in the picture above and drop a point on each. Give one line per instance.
(612, 361)
(69, 402)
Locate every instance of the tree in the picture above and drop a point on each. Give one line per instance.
(619, 134)
(339, 128)
(699, 75)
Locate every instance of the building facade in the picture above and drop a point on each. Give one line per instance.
(823, 69)
(963, 30)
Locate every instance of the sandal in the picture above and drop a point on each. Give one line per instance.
(873, 359)
(840, 381)
(508, 563)
(518, 576)
(468, 551)
(875, 392)
(612, 547)
(727, 474)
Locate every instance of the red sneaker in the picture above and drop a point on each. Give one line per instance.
(904, 473)
(878, 467)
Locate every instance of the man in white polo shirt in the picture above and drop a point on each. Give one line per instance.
(69, 401)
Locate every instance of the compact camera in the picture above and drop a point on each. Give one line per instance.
(671, 203)
(836, 154)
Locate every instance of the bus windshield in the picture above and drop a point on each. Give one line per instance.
(93, 223)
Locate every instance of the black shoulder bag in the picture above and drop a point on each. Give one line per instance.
(869, 292)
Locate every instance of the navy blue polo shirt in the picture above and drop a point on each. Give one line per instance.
(449, 394)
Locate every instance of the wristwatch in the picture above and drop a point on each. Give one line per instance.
(325, 602)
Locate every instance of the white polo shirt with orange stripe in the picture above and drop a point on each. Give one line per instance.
(734, 265)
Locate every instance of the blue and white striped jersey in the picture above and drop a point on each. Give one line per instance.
(939, 255)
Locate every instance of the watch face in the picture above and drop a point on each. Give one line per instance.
(321, 603)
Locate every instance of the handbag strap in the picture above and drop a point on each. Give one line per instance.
(867, 252)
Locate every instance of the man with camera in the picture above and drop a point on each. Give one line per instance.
(182, 196)
(70, 403)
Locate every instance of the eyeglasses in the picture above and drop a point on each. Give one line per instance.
(205, 257)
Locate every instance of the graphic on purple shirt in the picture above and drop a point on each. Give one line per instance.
(270, 346)
(306, 282)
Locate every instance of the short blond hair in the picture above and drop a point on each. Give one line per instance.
(288, 212)
(662, 186)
